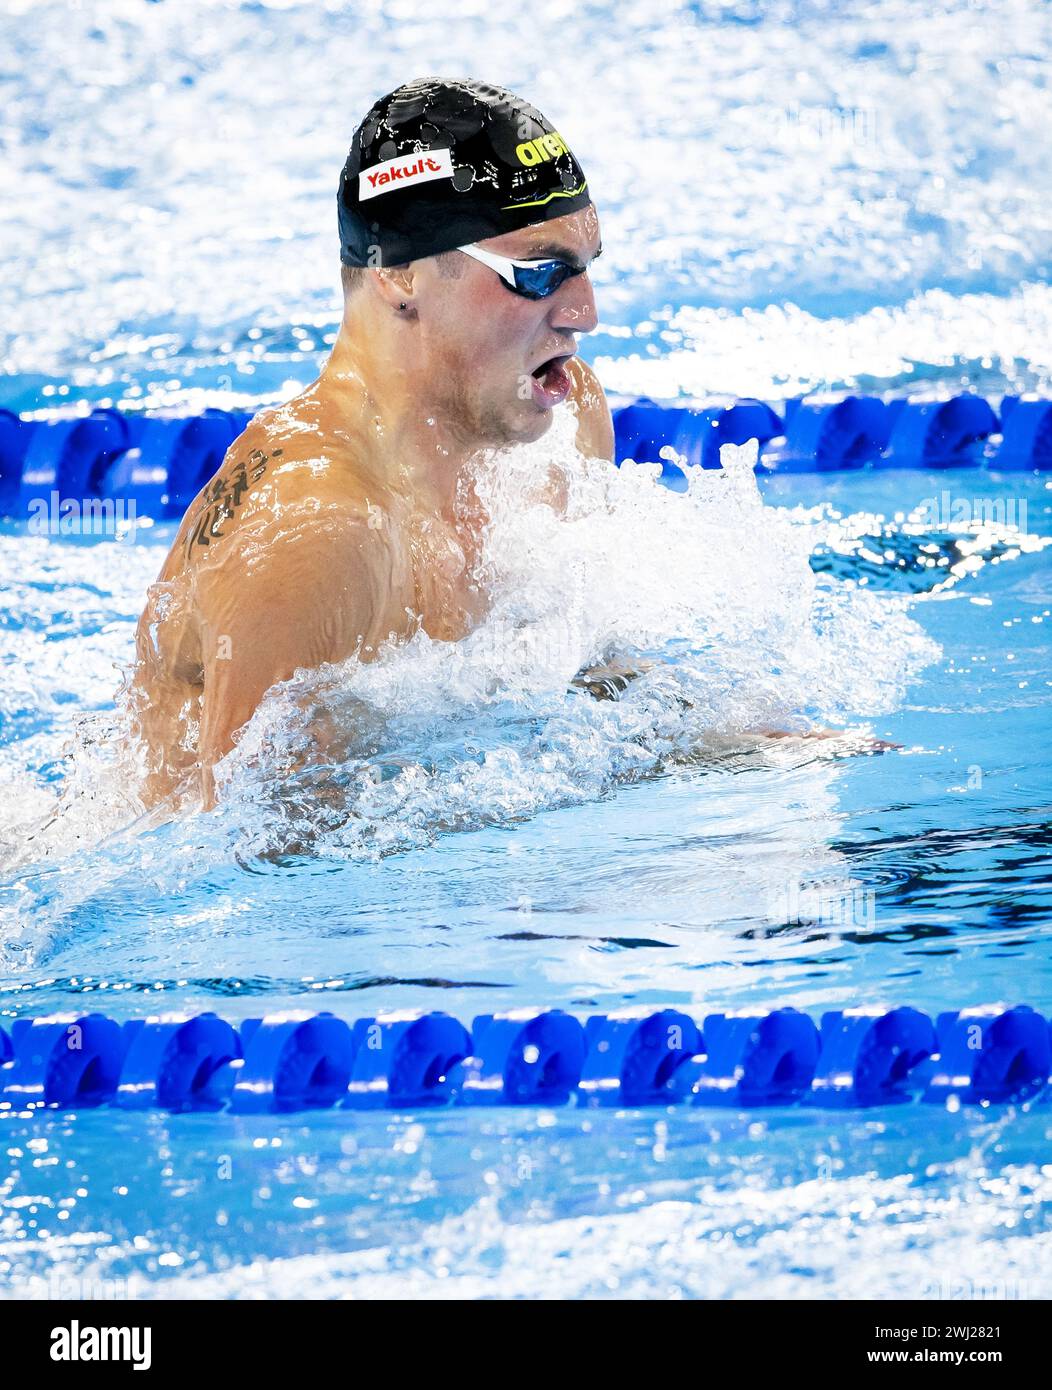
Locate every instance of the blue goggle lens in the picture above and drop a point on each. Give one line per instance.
(541, 280)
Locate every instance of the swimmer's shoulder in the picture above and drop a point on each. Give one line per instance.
(285, 470)
(595, 426)
(594, 436)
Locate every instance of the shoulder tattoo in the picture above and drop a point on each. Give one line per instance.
(223, 496)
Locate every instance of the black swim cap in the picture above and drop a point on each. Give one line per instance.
(439, 164)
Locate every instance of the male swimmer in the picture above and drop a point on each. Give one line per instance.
(345, 517)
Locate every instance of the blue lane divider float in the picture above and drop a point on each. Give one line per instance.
(1027, 438)
(300, 1061)
(297, 1062)
(64, 1061)
(753, 1059)
(171, 1064)
(405, 1060)
(522, 1058)
(848, 434)
(160, 462)
(987, 1054)
(633, 1060)
(943, 434)
(871, 1058)
(71, 456)
(169, 460)
(643, 429)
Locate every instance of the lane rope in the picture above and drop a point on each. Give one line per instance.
(160, 462)
(294, 1061)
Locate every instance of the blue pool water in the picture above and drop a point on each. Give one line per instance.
(868, 220)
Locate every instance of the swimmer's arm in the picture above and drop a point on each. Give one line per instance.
(611, 680)
(275, 606)
(595, 425)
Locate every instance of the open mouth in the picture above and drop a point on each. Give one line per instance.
(552, 362)
(552, 380)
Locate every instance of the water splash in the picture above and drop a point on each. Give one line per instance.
(709, 594)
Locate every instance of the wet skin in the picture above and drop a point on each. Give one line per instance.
(346, 517)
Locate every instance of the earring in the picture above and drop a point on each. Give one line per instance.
(402, 305)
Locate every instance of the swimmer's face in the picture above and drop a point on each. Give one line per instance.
(496, 359)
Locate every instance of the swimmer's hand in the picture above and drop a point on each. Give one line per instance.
(610, 680)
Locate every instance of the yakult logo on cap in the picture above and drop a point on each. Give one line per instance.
(406, 169)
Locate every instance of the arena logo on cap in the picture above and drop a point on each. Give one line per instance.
(545, 147)
(404, 170)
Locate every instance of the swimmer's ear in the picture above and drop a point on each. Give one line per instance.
(396, 285)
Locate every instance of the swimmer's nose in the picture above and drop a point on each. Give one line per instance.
(574, 306)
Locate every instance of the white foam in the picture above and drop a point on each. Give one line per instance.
(711, 586)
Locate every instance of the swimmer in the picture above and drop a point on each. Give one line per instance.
(346, 517)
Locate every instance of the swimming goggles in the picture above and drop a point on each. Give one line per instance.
(531, 279)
